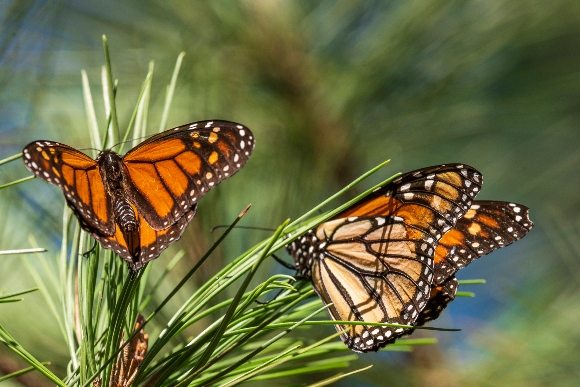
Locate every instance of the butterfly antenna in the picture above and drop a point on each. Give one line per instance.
(92, 149)
(130, 140)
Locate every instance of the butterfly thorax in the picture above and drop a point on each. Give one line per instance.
(113, 174)
(304, 250)
(111, 167)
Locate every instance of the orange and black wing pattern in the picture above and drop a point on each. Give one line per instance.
(149, 195)
(170, 172)
(487, 226)
(152, 242)
(374, 261)
(79, 178)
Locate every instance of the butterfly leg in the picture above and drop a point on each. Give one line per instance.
(87, 253)
(284, 263)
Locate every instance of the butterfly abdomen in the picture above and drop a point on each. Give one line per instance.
(127, 221)
(125, 215)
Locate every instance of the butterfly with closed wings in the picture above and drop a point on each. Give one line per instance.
(392, 257)
(139, 203)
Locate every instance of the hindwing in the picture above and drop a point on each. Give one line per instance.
(152, 242)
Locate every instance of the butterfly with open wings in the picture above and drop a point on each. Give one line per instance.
(139, 203)
(392, 257)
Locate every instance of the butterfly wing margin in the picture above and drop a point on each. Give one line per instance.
(171, 171)
(78, 176)
(487, 226)
(440, 296)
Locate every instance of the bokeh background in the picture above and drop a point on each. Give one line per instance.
(330, 89)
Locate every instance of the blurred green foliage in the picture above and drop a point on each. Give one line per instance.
(330, 89)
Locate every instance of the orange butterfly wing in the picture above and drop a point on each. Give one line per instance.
(171, 171)
(374, 261)
(79, 178)
(152, 242)
(487, 226)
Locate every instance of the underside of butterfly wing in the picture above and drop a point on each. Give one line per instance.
(369, 269)
(487, 226)
(374, 261)
(441, 295)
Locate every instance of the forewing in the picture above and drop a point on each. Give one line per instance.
(170, 172)
(487, 226)
(79, 178)
(430, 199)
(372, 269)
(152, 242)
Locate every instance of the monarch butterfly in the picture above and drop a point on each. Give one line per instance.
(392, 256)
(138, 204)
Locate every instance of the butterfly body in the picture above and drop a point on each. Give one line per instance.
(392, 256)
(115, 181)
(139, 203)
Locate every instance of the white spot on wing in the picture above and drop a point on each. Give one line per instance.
(405, 187)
